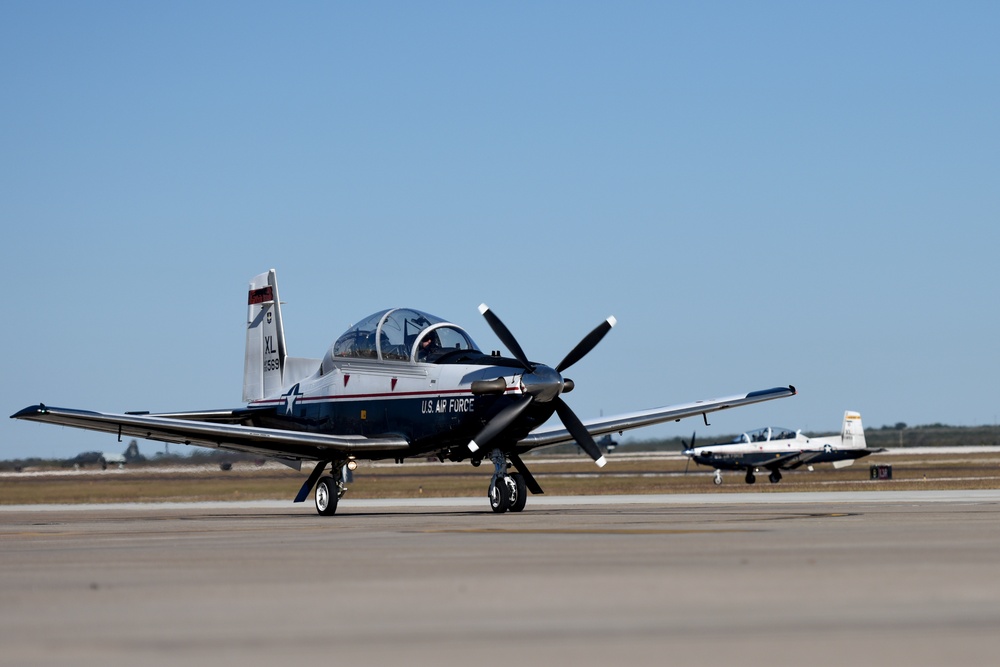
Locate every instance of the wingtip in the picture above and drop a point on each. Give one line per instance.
(30, 411)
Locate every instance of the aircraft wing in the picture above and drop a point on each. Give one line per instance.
(617, 423)
(790, 460)
(209, 429)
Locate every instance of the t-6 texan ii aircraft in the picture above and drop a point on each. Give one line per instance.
(399, 384)
(775, 449)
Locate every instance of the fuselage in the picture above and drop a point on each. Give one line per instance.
(431, 405)
(768, 444)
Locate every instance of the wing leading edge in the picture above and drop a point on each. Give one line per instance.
(295, 445)
(604, 425)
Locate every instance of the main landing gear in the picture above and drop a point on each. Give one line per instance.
(329, 491)
(508, 492)
(751, 478)
(774, 477)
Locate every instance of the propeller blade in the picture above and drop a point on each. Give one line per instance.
(587, 344)
(502, 420)
(505, 336)
(529, 479)
(579, 432)
(691, 448)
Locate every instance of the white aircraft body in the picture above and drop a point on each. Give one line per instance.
(776, 449)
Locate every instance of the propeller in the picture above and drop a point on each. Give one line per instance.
(543, 384)
(688, 451)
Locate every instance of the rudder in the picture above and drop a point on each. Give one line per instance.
(265, 350)
(853, 433)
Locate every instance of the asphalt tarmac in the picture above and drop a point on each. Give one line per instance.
(739, 579)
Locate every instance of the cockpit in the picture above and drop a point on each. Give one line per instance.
(766, 434)
(402, 334)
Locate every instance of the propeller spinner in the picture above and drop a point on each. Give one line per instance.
(543, 384)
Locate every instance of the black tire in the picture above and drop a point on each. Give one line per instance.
(499, 495)
(750, 477)
(326, 496)
(520, 493)
(775, 477)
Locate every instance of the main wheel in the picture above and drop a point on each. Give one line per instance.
(519, 494)
(750, 476)
(327, 495)
(499, 495)
(775, 477)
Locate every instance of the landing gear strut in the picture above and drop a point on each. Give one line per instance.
(508, 492)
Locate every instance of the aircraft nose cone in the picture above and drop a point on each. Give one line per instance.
(543, 384)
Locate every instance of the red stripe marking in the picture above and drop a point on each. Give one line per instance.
(262, 295)
(281, 401)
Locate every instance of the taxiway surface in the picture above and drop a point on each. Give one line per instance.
(788, 579)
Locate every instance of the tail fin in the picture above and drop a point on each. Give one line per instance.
(265, 354)
(853, 433)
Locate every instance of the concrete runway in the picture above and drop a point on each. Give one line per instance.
(778, 578)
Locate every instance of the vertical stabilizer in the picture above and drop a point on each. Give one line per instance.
(853, 434)
(265, 353)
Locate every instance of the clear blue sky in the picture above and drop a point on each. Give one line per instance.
(763, 193)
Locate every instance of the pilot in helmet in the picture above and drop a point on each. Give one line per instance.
(428, 346)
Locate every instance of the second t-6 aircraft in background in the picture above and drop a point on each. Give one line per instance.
(776, 449)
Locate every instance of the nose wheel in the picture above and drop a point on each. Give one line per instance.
(508, 492)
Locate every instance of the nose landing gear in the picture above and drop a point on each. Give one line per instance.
(508, 492)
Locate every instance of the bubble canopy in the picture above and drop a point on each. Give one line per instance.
(402, 334)
(766, 434)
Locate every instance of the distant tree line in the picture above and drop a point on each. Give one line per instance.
(133, 458)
